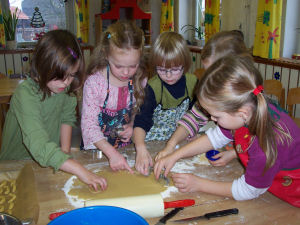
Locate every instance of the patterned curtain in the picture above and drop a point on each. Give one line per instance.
(82, 20)
(167, 16)
(268, 29)
(2, 33)
(212, 18)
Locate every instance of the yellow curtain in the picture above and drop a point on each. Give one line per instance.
(268, 29)
(212, 18)
(82, 20)
(2, 33)
(167, 16)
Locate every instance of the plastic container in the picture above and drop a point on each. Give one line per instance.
(104, 215)
(212, 153)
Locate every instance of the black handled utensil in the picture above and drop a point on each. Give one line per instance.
(168, 216)
(210, 215)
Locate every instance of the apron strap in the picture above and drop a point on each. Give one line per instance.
(107, 90)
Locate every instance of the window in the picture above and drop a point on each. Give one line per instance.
(45, 15)
(200, 16)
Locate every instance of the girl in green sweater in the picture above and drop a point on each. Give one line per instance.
(42, 111)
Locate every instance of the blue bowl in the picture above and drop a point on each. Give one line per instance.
(102, 215)
(212, 153)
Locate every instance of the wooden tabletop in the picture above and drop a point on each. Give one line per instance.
(266, 209)
(8, 86)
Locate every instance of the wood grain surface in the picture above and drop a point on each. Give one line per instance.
(266, 209)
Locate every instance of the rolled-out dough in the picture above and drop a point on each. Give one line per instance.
(120, 184)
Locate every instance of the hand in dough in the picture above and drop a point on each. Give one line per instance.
(143, 162)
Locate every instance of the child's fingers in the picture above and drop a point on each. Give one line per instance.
(157, 169)
(127, 167)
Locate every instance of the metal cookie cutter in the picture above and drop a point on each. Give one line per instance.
(165, 181)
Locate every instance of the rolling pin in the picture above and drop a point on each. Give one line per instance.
(147, 206)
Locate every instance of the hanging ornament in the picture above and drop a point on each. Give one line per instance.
(37, 22)
(37, 19)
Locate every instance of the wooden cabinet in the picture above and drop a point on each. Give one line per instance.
(124, 9)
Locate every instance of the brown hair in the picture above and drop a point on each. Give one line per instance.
(170, 50)
(224, 43)
(228, 85)
(55, 53)
(123, 34)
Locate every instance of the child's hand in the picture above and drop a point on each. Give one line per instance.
(166, 151)
(225, 157)
(186, 182)
(93, 180)
(118, 162)
(127, 133)
(86, 176)
(143, 161)
(166, 163)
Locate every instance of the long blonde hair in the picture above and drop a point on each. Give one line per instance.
(228, 85)
(123, 34)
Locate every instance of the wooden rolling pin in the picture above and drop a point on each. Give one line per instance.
(147, 206)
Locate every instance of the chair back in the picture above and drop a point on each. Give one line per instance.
(199, 73)
(274, 88)
(2, 76)
(293, 98)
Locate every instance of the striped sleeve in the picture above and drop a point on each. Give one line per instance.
(193, 120)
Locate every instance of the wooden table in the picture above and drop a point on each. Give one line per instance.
(266, 209)
(8, 86)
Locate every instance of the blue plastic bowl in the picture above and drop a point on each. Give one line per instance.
(212, 153)
(102, 215)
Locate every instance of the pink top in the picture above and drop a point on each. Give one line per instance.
(94, 93)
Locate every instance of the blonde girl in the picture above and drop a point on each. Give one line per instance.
(266, 139)
(114, 91)
(169, 95)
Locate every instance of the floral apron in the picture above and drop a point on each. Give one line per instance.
(110, 122)
(286, 182)
(165, 120)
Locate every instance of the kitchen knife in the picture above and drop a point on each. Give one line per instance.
(171, 204)
(210, 215)
(168, 216)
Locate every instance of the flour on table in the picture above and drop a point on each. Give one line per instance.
(183, 166)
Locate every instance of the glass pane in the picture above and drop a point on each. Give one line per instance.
(51, 12)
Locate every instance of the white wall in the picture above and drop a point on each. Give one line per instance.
(291, 34)
(186, 15)
(155, 19)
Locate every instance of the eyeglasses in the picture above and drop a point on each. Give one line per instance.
(174, 71)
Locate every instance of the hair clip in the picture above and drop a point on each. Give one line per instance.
(72, 53)
(108, 36)
(258, 90)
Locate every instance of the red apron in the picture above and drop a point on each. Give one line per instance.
(286, 184)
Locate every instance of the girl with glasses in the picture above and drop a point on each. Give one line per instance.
(169, 94)
(114, 91)
(219, 45)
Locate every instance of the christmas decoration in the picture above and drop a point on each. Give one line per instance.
(37, 19)
(37, 22)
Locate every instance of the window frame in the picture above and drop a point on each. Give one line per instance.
(70, 20)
